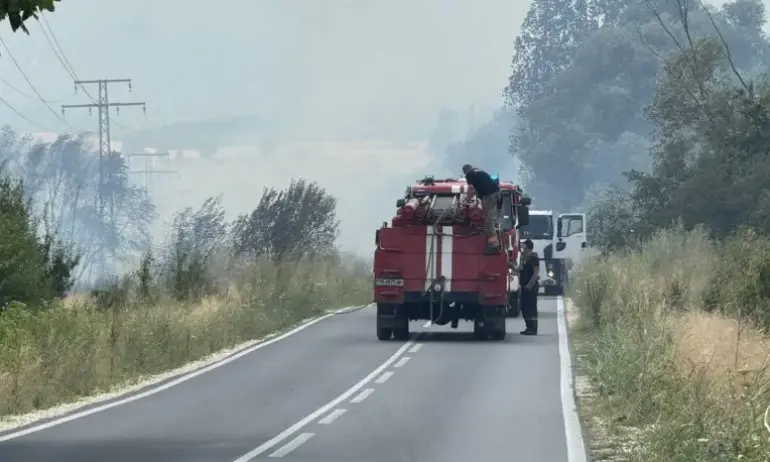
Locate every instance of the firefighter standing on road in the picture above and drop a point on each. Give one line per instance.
(528, 276)
(488, 191)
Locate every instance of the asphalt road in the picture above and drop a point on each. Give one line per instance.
(440, 397)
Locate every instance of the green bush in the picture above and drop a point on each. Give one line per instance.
(32, 269)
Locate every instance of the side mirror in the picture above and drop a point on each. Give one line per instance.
(584, 245)
(400, 203)
(377, 237)
(525, 201)
(558, 229)
(560, 246)
(523, 215)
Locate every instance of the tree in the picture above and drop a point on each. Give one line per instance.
(61, 179)
(710, 160)
(31, 268)
(292, 223)
(197, 237)
(18, 11)
(589, 126)
(487, 146)
(544, 47)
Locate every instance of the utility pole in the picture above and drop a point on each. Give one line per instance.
(103, 104)
(147, 170)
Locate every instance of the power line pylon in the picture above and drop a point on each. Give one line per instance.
(105, 146)
(147, 170)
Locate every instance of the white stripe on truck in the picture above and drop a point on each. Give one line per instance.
(430, 257)
(446, 257)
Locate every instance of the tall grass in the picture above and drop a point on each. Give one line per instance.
(68, 349)
(671, 335)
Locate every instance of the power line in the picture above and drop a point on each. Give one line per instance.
(32, 86)
(53, 42)
(59, 55)
(23, 93)
(8, 105)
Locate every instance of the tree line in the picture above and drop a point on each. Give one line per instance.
(51, 227)
(642, 113)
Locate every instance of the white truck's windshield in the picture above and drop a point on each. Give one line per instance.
(539, 227)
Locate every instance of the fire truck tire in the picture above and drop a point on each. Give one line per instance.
(497, 331)
(401, 334)
(384, 333)
(499, 334)
(514, 310)
(480, 331)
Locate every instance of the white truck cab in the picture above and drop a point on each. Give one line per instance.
(560, 242)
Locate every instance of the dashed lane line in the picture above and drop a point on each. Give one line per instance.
(334, 415)
(325, 408)
(292, 445)
(384, 377)
(362, 396)
(402, 362)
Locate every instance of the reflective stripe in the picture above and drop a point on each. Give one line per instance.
(447, 241)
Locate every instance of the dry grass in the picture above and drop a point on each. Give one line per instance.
(727, 349)
(694, 384)
(77, 348)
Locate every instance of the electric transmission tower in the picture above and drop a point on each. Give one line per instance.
(147, 170)
(103, 105)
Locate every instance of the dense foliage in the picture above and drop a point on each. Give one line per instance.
(18, 11)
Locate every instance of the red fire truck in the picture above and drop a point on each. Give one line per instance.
(430, 263)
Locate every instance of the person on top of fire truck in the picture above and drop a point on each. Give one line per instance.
(488, 190)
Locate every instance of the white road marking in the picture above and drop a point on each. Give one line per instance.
(292, 445)
(362, 396)
(384, 377)
(181, 379)
(416, 348)
(427, 324)
(576, 451)
(402, 362)
(325, 408)
(332, 416)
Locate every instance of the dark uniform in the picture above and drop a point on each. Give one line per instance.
(488, 191)
(529, 297)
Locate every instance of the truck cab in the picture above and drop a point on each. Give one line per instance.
(560, 242)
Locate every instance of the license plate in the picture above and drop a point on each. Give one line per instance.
(389, 282)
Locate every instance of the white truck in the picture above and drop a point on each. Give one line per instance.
(559, 249)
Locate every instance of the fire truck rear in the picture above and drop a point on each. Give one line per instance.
(430, 263)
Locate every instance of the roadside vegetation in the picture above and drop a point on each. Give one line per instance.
(672, 319)
(672, 336)
(209, 286)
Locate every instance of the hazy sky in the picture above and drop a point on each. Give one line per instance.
(314, 59)
(321, 63)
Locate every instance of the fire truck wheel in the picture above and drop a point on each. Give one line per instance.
(514, 310)
(498, 330)
(401, 334)
(498, 334)
(480, 332)
(384, 333)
